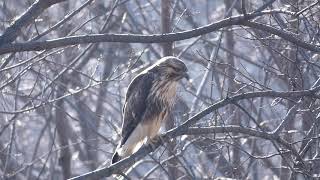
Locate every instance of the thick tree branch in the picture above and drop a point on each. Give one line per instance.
(127, 38)
(160, 38)
(114, 169)
(12, 32)
(231, 100)
(185, 129)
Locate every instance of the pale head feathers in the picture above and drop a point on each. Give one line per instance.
(170, 68)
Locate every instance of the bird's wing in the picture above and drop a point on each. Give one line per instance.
(135, 103)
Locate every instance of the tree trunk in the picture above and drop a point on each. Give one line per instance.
(167, 50)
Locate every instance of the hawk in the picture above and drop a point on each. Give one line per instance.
(148, 102)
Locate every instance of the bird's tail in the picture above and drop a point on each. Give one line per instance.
(125, 150)
(115, 158)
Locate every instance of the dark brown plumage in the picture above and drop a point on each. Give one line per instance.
(149, 100)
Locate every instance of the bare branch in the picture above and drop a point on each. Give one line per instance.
(12, 32)
(185, 129)
(156, 38)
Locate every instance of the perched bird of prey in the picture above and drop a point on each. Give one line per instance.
(149, 100)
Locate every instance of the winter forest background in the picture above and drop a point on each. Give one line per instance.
(251, 112)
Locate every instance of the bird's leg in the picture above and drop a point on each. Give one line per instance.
(153, 141)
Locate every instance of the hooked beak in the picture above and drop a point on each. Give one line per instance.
(186, 75)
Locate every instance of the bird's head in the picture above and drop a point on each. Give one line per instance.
(172, 68)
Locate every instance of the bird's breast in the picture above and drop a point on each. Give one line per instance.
(165, 92)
